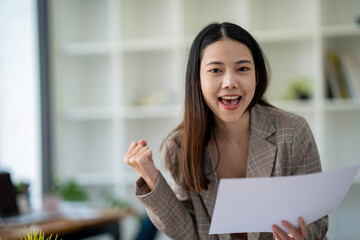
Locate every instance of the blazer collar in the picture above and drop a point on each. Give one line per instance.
(260, 160)
(262, 152)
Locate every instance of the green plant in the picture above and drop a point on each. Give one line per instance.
(36, 236)
(21, 188)
(69, 190)
(299, 89)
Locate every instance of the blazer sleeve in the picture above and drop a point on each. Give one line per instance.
(173, 217)
(306, 160)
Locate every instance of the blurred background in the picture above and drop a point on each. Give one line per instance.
(81, 79)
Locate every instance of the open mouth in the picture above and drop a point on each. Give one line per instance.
(230, 100)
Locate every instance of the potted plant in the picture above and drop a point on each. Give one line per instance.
(68, 194)
(70, 190)
(299, 89)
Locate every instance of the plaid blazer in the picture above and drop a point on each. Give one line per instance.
(281, 144)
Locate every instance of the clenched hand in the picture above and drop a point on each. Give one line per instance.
(139, 157)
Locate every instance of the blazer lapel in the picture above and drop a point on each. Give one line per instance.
(261, 155)
(208, 197)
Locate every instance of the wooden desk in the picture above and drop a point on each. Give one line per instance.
(71, 229)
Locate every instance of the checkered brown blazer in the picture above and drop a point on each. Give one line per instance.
(281, 144)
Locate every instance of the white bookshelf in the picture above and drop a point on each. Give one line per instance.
(108, 55)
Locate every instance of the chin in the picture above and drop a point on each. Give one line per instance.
(229, 119)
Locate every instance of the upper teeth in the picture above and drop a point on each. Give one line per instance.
(230, 97)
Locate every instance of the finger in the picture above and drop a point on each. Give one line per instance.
(131, 156)
(136, 150)
(131, 148)
(277, 237)
(303, 227)
(281, 234)
(143, 142)
(142, 161)
(292, 230)
(142, 151)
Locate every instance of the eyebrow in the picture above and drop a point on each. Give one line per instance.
(221, 63)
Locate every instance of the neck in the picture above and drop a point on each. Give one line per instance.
(235, 132)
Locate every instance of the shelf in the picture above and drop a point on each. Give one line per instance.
(128, 112)
(154, 44)
(85, 114)
(149, 76)
(334, 12)
(279, 14)
(90, 48)
(161, 111)
(269, 36)
(329, 105)
(147, 44)
(307, 106)
(78, 21)
(341, 30)
(145, 19)
(119, 68)
(332, 105)
(289, 63)
(282, 35)
(197, 14)
(98, 48)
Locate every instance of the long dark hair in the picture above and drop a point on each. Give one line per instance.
(198, 124)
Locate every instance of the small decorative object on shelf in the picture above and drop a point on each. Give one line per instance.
(159, 98)
(299, 89)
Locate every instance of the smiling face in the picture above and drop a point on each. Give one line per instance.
(227, 76)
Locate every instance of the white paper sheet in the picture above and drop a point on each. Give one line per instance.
(255, 204)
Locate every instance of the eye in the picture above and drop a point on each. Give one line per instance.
(215, 70)
(243, 69)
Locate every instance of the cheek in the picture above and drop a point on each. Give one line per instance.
(250, 85)
(209, 92)
(206, 87)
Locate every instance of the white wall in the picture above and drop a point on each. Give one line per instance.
(19, 94)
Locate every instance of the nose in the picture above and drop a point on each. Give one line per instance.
(229, 81)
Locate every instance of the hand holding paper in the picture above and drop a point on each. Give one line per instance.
(255, 204)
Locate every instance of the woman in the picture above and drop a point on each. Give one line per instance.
(229, 130)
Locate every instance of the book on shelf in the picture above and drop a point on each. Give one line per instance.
(332, 79)
(342, 71)
(351, 69)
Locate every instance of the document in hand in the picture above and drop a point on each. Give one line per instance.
(255, 204)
